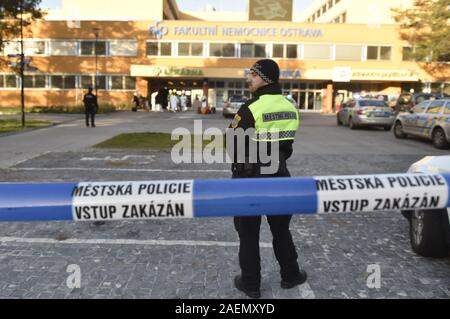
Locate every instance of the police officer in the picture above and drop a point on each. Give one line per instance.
(267, 112)
(90, 106)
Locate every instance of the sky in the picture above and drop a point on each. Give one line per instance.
(198, 5)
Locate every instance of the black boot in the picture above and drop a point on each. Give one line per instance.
(252, 293)
(297, 281)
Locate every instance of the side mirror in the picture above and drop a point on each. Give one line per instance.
(411, 111)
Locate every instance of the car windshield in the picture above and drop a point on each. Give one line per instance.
(372, 103)
(238, 98)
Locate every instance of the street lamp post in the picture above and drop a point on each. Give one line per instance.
(22, 65)
(96, 33)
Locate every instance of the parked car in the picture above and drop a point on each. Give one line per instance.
(366, 112)
(232, 105)
(407, 101)
(429, 119)
(429, 230)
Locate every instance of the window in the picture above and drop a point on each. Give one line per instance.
(435, 107)
(152, 48)
(12, 47)
(160, 49)
(119, 82)
(420, 108)
(91, 48)
(252, 50)
(378, 53)
(447, 108)
(317, 51)
(67, 48)
(63, 82)
(324, 8)
(34, 81)
(89, 81)
(277, 51)
(166, 49)
(344, 17)
(123, 48)
(190, 49)
(33, 47)
(385, 53)
(222, 49)
(10, 81)
(291, 51)
(348, 52)
(372, 53)
(330, 4)
(130, 83)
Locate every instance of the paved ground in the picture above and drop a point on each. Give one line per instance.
(198, 258)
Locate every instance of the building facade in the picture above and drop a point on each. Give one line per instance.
(320, 63)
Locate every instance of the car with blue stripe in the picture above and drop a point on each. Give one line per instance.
(429, 119)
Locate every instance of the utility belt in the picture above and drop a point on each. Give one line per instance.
(254, 169)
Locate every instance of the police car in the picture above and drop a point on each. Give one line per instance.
(429, 119)
(429, 230)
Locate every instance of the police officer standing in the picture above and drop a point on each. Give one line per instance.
(274, 120)
(90, 106)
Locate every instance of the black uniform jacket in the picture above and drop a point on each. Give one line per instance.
(244, 119)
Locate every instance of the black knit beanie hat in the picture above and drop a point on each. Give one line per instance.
(267, 69)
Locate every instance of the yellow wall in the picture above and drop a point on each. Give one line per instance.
(311, 70)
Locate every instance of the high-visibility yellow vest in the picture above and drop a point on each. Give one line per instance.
(276, 119)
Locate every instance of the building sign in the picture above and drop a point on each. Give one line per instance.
(342, 74)
(280, 10)
(159, 31)
(386, 75)
(172, 71)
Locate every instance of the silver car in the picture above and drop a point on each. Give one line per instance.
(366, 112)
(429, 119)
(232, 105)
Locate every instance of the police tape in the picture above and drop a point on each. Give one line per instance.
(141, 200)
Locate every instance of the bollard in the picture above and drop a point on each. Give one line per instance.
(138, 200)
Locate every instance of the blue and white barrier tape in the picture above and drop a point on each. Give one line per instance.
(227, 197)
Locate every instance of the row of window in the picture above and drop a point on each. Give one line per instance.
(341, 18)
(68, 82)
(305, 51)
(321, 11)
(73, 47)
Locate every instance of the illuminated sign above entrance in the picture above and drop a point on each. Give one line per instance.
(159, 31)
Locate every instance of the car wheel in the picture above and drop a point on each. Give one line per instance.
(427, 232)
(351, 125)
(338, 120)
(387, 128)
(439, 139)
(398, 130)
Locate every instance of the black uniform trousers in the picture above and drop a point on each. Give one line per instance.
(248, 228)
(90, 113)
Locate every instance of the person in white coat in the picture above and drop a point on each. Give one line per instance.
(174, 102)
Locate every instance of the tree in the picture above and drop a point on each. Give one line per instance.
(10, 16)
(425, 26)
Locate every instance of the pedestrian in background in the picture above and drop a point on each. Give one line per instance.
(90, 107)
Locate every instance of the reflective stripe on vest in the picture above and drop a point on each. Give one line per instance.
(276, 119)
